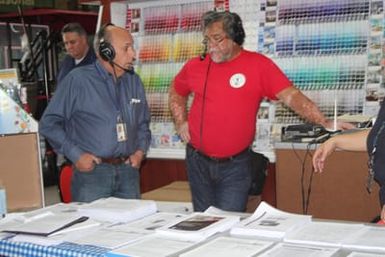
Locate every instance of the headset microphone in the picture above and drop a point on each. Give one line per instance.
(204, 53)
(129, 70)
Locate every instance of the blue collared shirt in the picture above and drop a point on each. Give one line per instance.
(69, 63)
(83, 114)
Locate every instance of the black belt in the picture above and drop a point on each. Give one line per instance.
(114, 160)
(217, 159)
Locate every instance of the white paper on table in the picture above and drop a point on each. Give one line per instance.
(268, 221)
(228, 247)
(288, 250)
(371, 237)
(151, 246)
(323, 233)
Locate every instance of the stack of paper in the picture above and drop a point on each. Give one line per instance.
(267, 221)
(370, 238)
(118, 210)
(229, 247)
(323, 233)
(151, 246)
(197, 226)
(285, 250)
(357, 254)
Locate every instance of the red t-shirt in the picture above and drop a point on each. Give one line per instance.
(234, 91)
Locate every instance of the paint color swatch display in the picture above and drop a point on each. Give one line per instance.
(317, 10)
(322, 38)
(160, 20)
(324, 47)
(167, 33)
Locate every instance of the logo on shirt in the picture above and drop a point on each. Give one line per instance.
(238, 80)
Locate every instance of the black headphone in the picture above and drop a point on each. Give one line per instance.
(106, 50)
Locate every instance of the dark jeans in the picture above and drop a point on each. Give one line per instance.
(105, 180)
(224, 185)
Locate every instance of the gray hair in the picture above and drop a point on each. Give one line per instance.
(74, 27)
(232, 24)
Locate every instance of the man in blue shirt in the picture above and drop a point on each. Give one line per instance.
(79, 53)
(99, 119)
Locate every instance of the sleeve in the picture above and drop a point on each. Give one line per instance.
(274, 79)
(181, 81)
(54, 124)
(143, 131)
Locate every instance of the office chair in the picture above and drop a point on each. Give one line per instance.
(65, 183)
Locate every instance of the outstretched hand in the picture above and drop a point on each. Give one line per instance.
(322, 153)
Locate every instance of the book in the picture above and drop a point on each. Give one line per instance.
(45, 224)
(197, 226)
(285, 250)
(228, 247)
(268, 221)
(113, 209)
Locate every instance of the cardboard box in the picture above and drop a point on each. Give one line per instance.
(178, 191)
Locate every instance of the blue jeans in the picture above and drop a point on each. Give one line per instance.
(105, 180)
(224, 185)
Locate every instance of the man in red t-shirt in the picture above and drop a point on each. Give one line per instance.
(228, 85)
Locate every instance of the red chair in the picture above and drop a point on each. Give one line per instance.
(65, 183)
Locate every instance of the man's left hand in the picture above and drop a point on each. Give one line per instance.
(136, 159)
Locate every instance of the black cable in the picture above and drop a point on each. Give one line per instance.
(203, 107)
(302, 162)
(307, 197)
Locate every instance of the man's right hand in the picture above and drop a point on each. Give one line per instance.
(87, 162)
(183, 132)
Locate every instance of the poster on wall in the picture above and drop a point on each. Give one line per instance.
(13, 118)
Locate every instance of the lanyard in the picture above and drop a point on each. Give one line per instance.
(371, 159)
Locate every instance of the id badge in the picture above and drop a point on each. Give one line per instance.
(121, 132)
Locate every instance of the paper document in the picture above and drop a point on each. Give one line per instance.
(151, 246)
(288, 250)
(323, 233)
(371, 238)
(148, 223)
(228, 247)
(47, 224)
(198, 226)
(118, 210)
(268, 221)
(357, 254)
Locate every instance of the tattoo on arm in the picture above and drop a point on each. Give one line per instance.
(303, 106)
(178, 106)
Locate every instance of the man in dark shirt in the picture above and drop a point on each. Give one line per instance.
(79, 53)
(99, 119)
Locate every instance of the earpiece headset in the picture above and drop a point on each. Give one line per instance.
(106, 50)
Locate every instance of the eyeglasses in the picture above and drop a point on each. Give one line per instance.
(213, 41)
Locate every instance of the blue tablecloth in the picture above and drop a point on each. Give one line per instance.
(20, 249)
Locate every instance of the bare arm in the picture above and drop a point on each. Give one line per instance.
(178, 108)
(355, 141)
(304, 107)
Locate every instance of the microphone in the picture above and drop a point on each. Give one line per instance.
(129, 70)
(204, 53)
